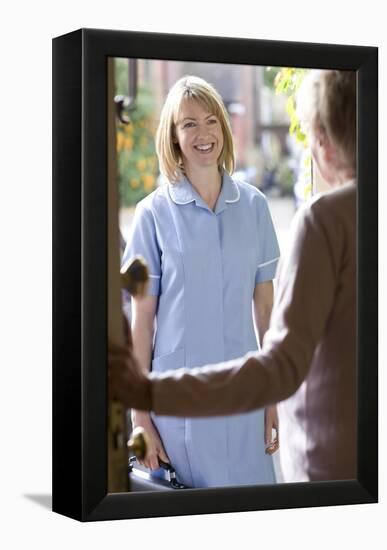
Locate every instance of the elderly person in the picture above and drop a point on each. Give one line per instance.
(308, 360)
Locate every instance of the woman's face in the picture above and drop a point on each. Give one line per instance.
(199, 134)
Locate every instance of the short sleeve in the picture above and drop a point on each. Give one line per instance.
(142, 241)
(269, 251)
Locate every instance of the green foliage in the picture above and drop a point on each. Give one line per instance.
(288, 81)
(137, 166)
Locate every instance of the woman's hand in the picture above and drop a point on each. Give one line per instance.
(155, 450)
(271, 423)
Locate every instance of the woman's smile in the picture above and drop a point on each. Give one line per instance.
(205, 149)
(199, 135)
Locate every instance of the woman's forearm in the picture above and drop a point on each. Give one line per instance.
(262, 308)
(142, 334)
(142, 328)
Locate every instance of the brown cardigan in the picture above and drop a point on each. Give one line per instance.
(309, 352)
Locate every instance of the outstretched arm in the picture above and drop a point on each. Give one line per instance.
(303, 302)
(304, 298)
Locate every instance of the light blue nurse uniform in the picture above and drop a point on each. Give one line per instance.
(203, 267)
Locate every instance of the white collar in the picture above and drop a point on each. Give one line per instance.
(183, 192)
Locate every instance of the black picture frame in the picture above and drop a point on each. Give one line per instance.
(80, 274)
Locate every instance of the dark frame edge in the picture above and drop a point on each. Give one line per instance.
(368, 277)
(225, 500)
(67, 275)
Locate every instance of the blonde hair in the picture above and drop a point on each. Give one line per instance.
(168, 151)
(326, 101)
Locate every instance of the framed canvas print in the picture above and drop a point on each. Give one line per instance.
(192, 182)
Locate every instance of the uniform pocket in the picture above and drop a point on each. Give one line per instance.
(168, 361)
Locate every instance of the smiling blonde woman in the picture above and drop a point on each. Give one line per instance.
(212, 253)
